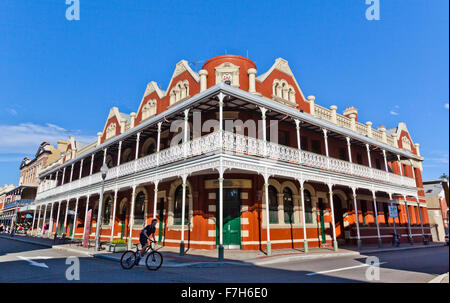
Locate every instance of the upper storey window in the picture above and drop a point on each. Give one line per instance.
(111, 131)
(282, 91)
(149, 109)
(179, 92)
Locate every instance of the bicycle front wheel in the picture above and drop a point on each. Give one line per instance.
(154, 260)
(128, 259)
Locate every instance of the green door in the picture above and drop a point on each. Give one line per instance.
(322, 221)
(231, 217)
(122, 222)
(59, 229)
(70, 229)
(161, 220)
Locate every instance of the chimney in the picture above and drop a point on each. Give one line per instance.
(351, 110)
(353, 121)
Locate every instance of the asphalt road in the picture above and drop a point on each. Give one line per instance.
(22, 262)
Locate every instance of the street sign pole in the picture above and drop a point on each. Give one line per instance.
(393, 217)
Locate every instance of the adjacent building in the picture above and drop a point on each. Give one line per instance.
(5, 213)
(19, 200)
(436, 195)
(229, 158)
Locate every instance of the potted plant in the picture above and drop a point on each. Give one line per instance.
(119, 245)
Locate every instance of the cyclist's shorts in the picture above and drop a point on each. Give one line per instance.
(143, 240)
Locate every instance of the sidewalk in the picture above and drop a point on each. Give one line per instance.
(440, 279)
(208, 258)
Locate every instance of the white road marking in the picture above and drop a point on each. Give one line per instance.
(28, 259)
(40, 257)
(344, 268)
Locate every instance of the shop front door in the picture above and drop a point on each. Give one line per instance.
(161, 220)
(231, 218)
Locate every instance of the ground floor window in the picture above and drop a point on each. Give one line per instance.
(386, 213)
(273, 205)
(364, 211)
(107, 211)
(178, 206)
(308, 207)
(288, 204)
(139, 209)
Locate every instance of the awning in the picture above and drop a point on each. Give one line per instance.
(27, 208)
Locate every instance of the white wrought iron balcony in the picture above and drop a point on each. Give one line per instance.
(238, 145)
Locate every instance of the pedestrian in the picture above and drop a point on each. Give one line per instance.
(395, 240)
(13, 230)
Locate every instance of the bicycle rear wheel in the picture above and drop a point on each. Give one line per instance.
(154, 260)
(128, 259)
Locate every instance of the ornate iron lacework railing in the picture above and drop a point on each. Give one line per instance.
(241, 145)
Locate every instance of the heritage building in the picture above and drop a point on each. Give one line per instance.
(231, 159)
(19, 200)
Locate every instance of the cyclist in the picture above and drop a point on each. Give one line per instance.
(145, 235)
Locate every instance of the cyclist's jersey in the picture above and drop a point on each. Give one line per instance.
(150, 229)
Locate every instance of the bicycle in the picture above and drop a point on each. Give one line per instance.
(131, 258)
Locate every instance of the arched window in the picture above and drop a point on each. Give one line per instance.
(139, 209)
(288, 204)
(178, 206)
(149, 109)
(308, 207)
(179, 92)
(149, 149)
(107, 211)
(127, 155)
(94, 211)
(273, 205)
(109, 161)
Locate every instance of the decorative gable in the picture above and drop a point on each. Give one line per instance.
(115, 124)
(180, 68)
(153, 87)
(279, 84)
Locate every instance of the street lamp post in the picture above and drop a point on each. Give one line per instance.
(104, 171)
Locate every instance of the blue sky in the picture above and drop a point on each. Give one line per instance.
(60, 78)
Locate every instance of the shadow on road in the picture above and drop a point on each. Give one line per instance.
(202, 269)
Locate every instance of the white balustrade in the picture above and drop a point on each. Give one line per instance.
(343, 121)
(237, 144)
(322, 112)
(361, 129)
